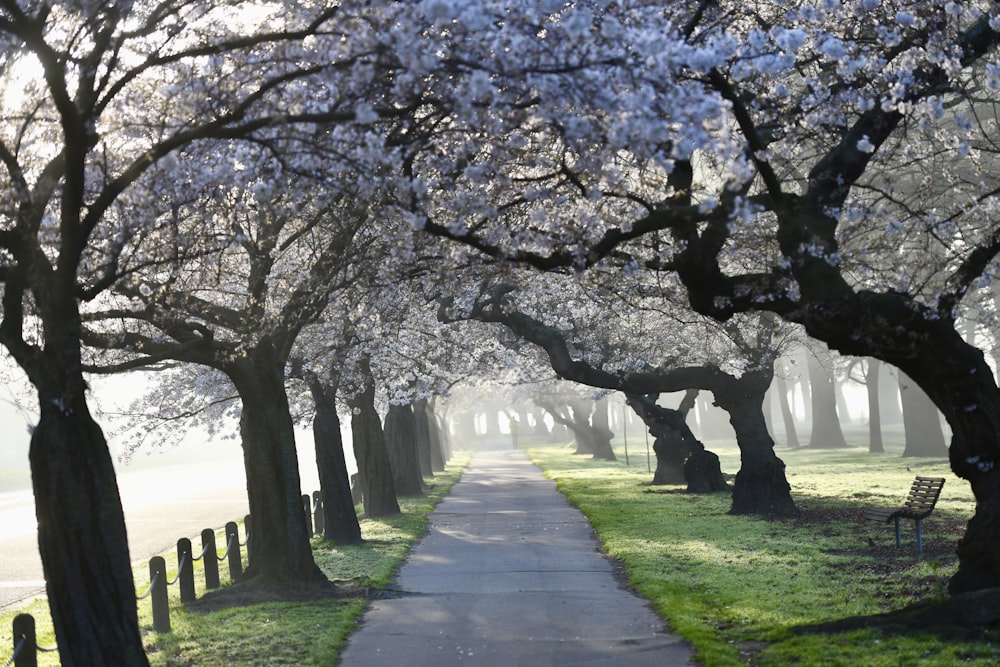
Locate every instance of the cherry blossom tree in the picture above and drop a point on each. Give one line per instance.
(832, 163)
(96, 97)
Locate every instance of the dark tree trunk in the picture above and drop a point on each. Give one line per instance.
(921, 421)
(375, 473)
(279, 551)
(761, 486)
(826, 431)
(81, 536)
(787, 417)
(422, 433)
(340, 519)
(671, 453)
(400, 441)
(682, 458)
(875, 445)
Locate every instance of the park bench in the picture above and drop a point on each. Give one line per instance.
(918, 506)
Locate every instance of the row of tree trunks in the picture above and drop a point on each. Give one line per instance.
(340, 519)
(374, 470)
(593, 436)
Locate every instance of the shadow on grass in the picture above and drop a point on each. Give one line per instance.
(970, 616)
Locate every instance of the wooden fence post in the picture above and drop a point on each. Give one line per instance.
(233, 551)
(185, 569)
(24, 634)
(210, 557)
(158, 594)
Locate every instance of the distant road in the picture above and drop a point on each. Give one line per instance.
(161, 506)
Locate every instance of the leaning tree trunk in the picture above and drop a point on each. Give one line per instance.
(279, 551)
(761, 486)
(340, 519)
(81, 535)
(681, 457)
(400, 442)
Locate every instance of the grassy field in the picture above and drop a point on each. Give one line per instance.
(225, 629)
(733, 586)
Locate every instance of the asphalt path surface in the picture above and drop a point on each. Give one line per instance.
(161, 505)
(510, 574)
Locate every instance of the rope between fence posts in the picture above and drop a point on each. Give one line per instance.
(17, 652)
(150, 589)
(204, 550)
(180, 568)
(244, 542)
(229, 545)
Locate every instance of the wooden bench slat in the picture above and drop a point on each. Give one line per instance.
(919, 504)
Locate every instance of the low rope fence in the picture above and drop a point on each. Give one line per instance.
(25, 649)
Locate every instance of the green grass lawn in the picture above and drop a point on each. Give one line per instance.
(260, 633)
(733, 585)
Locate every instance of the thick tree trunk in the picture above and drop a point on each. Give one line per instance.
(379, 493)
(81, 536)
(340, 519)
(875, 445)
(400, 441)
(826, 431)
(279, 550)
(681, 457)
(671, 452)
(966, 393)
(761, 486)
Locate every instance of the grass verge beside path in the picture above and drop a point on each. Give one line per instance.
(251, 634)
(733, 585)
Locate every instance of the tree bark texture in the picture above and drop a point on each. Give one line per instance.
(761, 486)
(279, 550)
(340, 519)
(81, 537)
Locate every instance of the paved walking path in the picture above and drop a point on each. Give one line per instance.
(510, 575)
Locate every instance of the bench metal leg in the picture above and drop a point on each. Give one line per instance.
(920, 539)
(899, 538)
